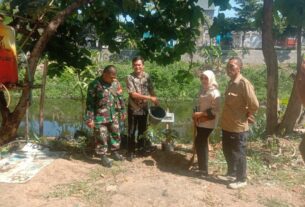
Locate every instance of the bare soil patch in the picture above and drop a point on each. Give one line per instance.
(161, 179)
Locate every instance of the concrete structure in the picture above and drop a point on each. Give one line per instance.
(204, 38)
(251, 56)
(252, 39)
(208, 10)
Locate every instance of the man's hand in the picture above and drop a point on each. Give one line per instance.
(123, 116)
(251, 119)
(154, 100)
(90, 124)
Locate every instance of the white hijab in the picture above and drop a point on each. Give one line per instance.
(212, 80)
(211, 90)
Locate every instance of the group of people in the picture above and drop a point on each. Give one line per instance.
(240, 103)
(106, 109)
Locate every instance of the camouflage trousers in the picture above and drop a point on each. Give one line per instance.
(107, 137)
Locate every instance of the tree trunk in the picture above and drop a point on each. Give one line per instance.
(300, 83)
(272, 68)
(243, 39)
(294, 107)
(11, 120)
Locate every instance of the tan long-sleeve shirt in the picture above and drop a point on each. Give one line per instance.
(209, 99)
(240, 99)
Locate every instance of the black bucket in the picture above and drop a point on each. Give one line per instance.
(156, 114)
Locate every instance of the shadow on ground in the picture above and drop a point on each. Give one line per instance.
(178, 164)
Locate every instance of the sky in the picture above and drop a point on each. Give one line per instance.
(228, 13)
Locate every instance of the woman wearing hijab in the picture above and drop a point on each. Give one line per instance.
(206, 117)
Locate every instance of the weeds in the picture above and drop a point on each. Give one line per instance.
(274, 202)
(77, 188)
(218, 164)
(266, 163)
(92, 190)
(256, 165)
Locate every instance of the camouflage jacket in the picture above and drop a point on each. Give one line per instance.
(104, 101)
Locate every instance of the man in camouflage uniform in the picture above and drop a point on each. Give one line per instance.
(105, 106)
(120, 114)
(140, 90)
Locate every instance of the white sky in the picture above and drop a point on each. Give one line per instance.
(228, 13)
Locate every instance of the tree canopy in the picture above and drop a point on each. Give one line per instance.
(247, 17)
(115, 24)
(61, 30)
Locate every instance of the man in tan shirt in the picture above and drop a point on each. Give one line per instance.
(239, 106)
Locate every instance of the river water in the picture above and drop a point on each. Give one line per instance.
(64, 117)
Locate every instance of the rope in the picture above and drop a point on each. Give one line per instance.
(8, 94)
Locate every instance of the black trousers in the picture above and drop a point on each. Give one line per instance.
(234, 147)
(202, 147)
(136, 123)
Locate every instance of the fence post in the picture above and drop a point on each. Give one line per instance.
(42, 96)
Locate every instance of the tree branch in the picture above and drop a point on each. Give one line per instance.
(49, 32)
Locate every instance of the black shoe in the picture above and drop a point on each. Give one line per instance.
(151, 149)
(141, 152)
(106, 162)
(147, 150)
(130, 156)
(201, 173)
(116, 156)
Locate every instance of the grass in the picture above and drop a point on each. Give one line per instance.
(284, 170)
(288, 178)
(275, 202)
(169, 82)
(256, 166)
(77, 189)
(263, 166)
(93, 190)
(218, 162)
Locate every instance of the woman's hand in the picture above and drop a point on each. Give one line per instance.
(199, 117)
(202, 119)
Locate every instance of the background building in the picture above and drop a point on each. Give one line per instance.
(209, 11)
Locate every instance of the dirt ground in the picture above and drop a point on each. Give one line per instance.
(161, 179)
